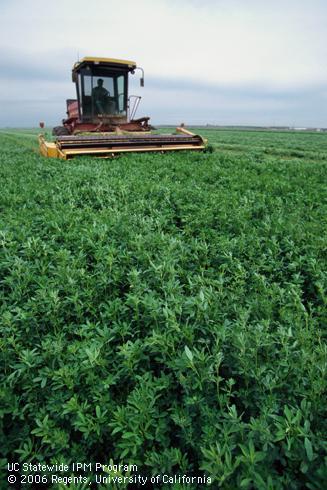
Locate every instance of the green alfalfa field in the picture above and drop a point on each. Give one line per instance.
(167, 311)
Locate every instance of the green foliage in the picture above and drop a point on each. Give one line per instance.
(168, 311)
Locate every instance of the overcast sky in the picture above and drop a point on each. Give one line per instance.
(206, 61)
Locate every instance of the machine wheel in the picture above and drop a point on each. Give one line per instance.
(60, 131)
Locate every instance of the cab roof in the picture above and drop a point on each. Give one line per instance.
(94, 60)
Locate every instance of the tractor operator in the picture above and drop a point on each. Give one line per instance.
(100, 96)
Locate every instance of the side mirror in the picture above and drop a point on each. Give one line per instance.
(142, 82)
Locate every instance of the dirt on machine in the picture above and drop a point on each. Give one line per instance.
(101, 120)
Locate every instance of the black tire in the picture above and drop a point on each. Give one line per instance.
(60, 131)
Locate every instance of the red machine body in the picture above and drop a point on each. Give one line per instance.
(102, 124)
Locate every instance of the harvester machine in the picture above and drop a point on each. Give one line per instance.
(101, 120)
